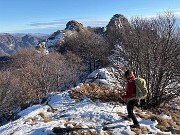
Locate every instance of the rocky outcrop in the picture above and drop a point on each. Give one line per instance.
(56, 39)
(118, 24)
(116, 28)
(118, 21)
(104, 76)
(74, 25)
(100, 30)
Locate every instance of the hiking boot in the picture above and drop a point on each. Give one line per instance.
(135, 126)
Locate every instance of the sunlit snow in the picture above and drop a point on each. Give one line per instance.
(61, 111)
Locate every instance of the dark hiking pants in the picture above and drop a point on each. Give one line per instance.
(130, 107)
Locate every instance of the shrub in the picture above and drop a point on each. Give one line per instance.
(95, 92)
(151, 48)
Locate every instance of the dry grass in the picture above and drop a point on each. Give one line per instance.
(11, 133)
(73, 123)
(176, 117)
(95, 92)
(56, 92)
(159, 133)
(143, 116)
(121, 114)
(42, 115)
(79, 132)
(29, 119)
(163, 123)
(141, 130)
(45, 118)
(108, 133)
(51, 109)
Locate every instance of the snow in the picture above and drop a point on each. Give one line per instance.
(165, 116)
(104, 76)
(58, 37)
(86, 112)
(176, 106)
(150, 125)
(62, 111)
(175, 103)
(11, 46)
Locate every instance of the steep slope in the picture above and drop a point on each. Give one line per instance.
(60, 114)
(65, 115)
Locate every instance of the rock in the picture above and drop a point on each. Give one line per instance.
(74, 25)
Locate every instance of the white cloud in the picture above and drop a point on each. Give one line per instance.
(92, 21)
(177, 14)
(37, 24)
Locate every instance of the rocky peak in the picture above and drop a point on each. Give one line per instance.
(57, 38)
(118, 21)
(74, 25)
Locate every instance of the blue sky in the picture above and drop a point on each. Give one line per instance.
(47, 16)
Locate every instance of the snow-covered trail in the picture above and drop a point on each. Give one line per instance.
(63, 112)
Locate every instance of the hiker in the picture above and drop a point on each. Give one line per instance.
(130, 98)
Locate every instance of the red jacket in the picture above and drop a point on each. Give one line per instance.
(131, 88)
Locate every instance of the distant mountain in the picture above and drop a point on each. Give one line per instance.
(2, 53)
(32, 34)
(10, 43)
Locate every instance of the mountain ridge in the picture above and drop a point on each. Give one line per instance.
(9, 43)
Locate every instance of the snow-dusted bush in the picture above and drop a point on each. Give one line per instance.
(151, 48)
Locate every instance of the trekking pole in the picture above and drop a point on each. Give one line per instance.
(106, 123)
(113, 107)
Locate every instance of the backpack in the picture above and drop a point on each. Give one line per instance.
(141, 88)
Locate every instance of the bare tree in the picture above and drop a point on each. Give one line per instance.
(151, 48)
(89, 46)
(30, 76)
